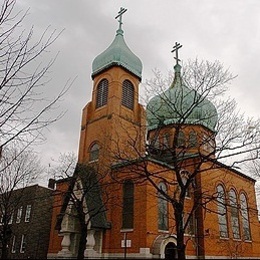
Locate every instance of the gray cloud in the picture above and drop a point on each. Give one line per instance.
(228, 31)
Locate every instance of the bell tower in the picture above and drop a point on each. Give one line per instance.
(113, 122)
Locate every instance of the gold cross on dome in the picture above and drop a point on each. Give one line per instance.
(176, 47)
(120, 14)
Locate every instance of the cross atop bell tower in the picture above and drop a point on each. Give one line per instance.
(176, 47)
(120, 15)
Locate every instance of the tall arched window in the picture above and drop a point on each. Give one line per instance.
(102, 93)
(222, 212)
(245, 217)
(234, 214)
(128, 205)
(94, 152)
(162, 207)
(128, 94)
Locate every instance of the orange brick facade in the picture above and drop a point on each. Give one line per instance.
(120, 133)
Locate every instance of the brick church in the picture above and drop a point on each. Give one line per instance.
(145, 164)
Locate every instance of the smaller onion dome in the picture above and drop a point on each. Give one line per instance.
(180, 105)
(118, 54)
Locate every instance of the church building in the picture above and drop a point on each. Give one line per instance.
(147, 177)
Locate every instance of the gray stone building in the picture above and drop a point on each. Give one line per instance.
(28, 215)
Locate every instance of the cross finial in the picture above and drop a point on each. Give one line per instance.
(176, 47)
(120, 14)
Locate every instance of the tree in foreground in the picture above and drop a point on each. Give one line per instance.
(192, 130)
(17, 170)
(83, 204)
(25, 109)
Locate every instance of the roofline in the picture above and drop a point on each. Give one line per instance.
(148, 158)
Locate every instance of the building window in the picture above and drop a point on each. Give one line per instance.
(128, 94)
(11, 218)
(13, 250)
(245, 218)
(94, 152)
(2, 217)
(128, 205)
(181, 139)
(222, 212)
(234, 214)
(102, 93)
(184, 178)
(189, 223)
(192, 139)
(23, 244)
(166, 141)
(28, 213)
(162, 207)
(19, 214)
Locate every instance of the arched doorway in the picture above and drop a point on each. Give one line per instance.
(170, 251)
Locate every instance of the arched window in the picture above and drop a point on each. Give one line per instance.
(181, 139)
(245, 218)
(94, 152)
(234, 214)
(162, 207)
(128, 205)
(192, 139)
(222, 212)
(128, 94)
(102, 93)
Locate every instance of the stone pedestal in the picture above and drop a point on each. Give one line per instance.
(89, 251)
(65, 245)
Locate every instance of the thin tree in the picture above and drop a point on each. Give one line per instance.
(85, 200)
(25, 108)
(17, 170)
(190, 136)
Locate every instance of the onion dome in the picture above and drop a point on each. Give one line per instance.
(117, 54)
(180, 105)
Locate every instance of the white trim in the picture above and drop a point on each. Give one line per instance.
(22, 246)
(19, 214)
(164, 244)
(28, 213)
(13, 250)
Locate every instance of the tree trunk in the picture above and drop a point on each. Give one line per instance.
(4, 254)
(82, 241)
(6, 235)
(181, 247)
(84, 229)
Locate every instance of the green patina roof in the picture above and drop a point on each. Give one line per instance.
(180, 105)
(117, 54)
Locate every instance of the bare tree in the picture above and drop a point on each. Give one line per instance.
(17, 170)
(25, 108)
(192, 129)
(84, 202)
(63, 167)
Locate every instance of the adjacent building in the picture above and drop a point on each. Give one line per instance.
(28, 213)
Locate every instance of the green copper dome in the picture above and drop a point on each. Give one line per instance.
(180, 105)
(118, 54)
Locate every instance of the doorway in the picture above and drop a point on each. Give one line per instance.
(170, 251)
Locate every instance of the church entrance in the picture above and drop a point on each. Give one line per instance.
(170, 251)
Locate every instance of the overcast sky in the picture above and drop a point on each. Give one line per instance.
(228, 31)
